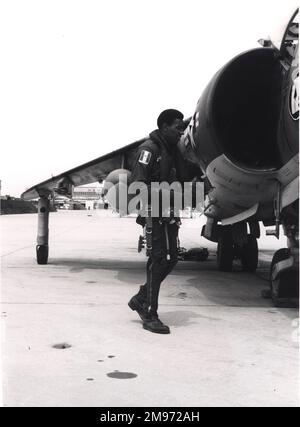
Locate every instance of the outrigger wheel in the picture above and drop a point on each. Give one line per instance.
(42, 254)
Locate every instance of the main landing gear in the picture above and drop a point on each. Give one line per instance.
(284, 272)
(229, 249)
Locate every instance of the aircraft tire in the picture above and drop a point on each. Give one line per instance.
(225, 252)
(42, 254)
(249, 255)
(285, 288)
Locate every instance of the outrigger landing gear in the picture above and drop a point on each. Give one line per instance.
(234, 243)
(42, 248)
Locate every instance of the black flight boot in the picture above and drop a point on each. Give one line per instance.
(140, 306)
(153, 324)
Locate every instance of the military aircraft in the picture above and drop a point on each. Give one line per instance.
(242, 142)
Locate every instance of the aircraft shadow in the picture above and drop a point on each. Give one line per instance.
(236, 289)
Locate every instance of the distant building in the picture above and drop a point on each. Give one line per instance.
(84, 197)
(86, 193)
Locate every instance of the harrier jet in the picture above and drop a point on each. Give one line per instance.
(242, 143)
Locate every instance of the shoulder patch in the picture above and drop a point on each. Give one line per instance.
(145, 157)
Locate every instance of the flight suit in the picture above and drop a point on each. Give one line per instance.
(155, 163)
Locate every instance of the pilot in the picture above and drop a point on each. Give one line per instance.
(155, 162)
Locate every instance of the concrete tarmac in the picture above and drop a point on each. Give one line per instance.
(227, 347)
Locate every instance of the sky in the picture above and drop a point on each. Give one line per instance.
(79, 79)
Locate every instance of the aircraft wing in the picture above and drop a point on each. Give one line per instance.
(95, 170)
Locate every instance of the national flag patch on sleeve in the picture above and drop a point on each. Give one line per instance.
(145, 157)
